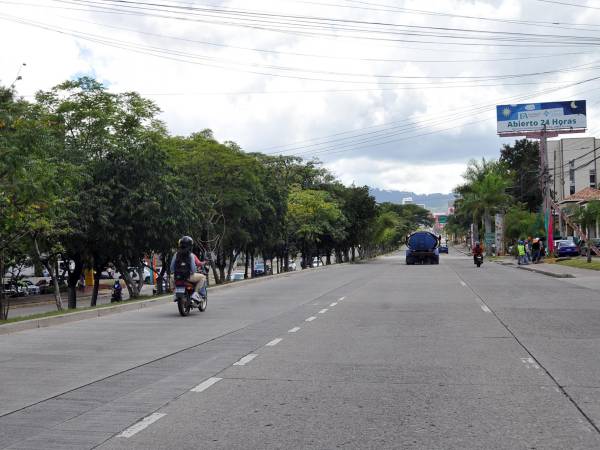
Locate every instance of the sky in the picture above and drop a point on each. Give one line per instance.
(398, 95)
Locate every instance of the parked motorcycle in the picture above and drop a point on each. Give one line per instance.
(184, 300)
(117, 292)
(479, 260)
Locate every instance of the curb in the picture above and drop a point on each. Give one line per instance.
(549, 274)
(45, 322)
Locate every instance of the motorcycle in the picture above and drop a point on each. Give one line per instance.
(117, 292)
(183, 297)
(479, 260)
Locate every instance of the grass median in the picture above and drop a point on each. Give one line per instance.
(64, 312)
(580, 264)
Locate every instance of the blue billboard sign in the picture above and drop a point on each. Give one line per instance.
(538, 116)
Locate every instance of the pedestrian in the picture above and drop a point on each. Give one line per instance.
(528, 249)
(522, 258)
(535, 250)
(542, 250)
(82, 282)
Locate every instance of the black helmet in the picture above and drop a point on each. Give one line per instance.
(186, 243)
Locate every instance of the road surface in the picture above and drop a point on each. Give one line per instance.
(373, 355)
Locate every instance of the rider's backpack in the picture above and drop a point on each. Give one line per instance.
(183, 266)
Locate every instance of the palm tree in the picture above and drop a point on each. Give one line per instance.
(485, 197)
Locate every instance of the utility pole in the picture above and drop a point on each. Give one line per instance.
(545, 186)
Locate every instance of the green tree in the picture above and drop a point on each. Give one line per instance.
(312, 214)
(522, 162)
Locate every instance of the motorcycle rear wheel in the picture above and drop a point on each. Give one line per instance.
(183, 305)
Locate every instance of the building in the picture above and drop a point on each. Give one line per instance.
(571, 203)
(572, 163)
(407, 201)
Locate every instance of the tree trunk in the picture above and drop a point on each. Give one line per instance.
(51, 265)
(475, 236)
(487, 220)
(589, 251)
(131, 285)
(97, 273)
(252, 264)
(246, 264)
(54, 274)
(73, 278)
(286, 262)
(4, 301)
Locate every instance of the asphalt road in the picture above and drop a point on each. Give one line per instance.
(375, 355)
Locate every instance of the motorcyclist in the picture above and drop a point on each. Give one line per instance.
(477, 251)
(185, 265)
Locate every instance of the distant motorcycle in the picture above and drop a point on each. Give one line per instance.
(117, 292)
(479, 260)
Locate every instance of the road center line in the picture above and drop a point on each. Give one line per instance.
(323, 311)
(245, 360)
(274, 342)
(142, 424)
(310, 319)
(333, 304)
(485, 309)
(206, 384)
(293, 330)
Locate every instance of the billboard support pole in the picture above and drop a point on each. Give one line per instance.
(545, 180)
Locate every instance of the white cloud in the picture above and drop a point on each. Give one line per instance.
(252, 115)
(395, 175)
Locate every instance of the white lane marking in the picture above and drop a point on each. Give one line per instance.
(530, 362)
(274, 342)
(206, 384)
(310, 319)
(245, 360)
(142, 424)
(463, 283)
(341, 298)
(485, 309)
(293, 330)
(323, 311)
(333, 304)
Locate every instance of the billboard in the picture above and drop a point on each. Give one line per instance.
(537, 116)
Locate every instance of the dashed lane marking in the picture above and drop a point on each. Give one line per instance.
(323, 311)
(463, 283)
(486, 309)
(341, 299)
(310, 319)
(206, 384)
(141, 425)
(245, 360)
(333, 304)
(274, 342)
(293, 330)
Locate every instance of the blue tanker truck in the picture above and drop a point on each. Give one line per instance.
(422, 248)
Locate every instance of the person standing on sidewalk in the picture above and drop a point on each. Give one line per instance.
(522, 258)
(535, 250)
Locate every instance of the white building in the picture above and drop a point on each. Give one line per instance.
(407, 201)
(573, 165)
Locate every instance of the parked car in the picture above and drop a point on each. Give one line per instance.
(259, 269)
(567, 248)
(237, 276)
(10, 290)
(31, 288)
(316, 262)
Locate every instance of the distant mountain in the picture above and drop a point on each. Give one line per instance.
(433, 202)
